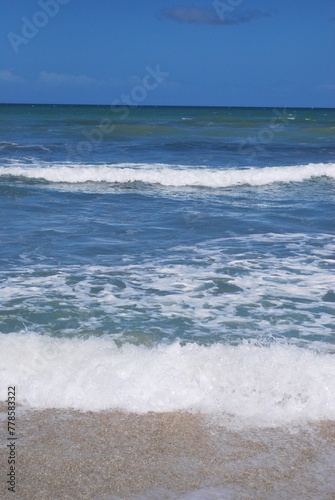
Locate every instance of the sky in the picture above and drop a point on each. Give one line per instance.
(168, 52)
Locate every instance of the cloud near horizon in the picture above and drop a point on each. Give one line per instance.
(7, 75)
(61, 78)
(328, 87)
(52, 78)
(196, 15)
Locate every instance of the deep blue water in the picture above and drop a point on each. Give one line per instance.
(180, 260)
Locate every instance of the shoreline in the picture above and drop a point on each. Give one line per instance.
(107, 455)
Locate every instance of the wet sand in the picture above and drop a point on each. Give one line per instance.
(107, 455)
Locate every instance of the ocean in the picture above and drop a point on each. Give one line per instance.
(173, 261)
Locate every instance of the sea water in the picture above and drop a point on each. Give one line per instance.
(169, 259)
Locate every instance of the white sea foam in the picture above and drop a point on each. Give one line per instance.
(213, 288)
(258, 385)
(15, 145)
(166, 175)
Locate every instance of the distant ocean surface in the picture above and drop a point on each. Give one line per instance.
(169, 258)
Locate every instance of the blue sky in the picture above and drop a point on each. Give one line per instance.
(178, 52)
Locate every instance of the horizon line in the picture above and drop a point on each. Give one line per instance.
(160, 105)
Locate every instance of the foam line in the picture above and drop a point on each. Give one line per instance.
(260, 385)
(165, 175)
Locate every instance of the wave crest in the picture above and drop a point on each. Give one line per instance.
(259, 385)
(169, 176)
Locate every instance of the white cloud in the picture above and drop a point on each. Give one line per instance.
(52, 78)
(326, 86)
(64, 79)
(6, 75)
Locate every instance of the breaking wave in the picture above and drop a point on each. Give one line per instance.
(167, 175)
(260, 385)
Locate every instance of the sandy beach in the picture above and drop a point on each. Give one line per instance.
(108, 455)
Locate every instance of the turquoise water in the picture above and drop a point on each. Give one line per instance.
(160, 226)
